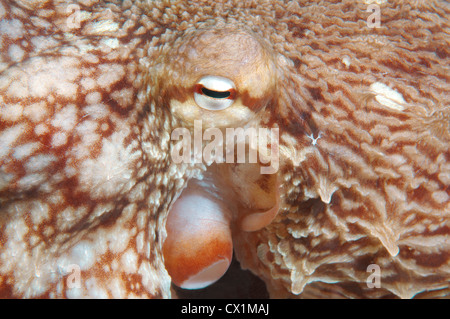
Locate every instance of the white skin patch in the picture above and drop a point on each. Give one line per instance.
(123, 97)
(8, 137)
(346, 61)
(110, 171)
(11, 112)
(36, 111)
(39, 162)
(388, 97)
(40, 213)
(129, 262)
(31, 180)
(66, 118)
(95, 290)
(42, 42)
(110, 74)
(112, 43)
(12, 28)
(105, 26)
(83, 254)
(93, 98)
(116, 288)
(88, 83)
(440, 197)
(57, 76)
(15, 53)
(41, 129)
(59, 139)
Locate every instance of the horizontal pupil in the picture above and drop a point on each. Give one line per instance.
(215, 94)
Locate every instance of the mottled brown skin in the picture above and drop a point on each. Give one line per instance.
(87, 111)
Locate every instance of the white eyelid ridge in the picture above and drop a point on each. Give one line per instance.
(216, 83)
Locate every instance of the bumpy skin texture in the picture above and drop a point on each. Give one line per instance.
(85, 172)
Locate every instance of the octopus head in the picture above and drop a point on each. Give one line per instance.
(222, 75)
(225, 78)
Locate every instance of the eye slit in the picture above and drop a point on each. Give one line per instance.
(214, 93)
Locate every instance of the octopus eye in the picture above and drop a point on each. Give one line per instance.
(214, 93)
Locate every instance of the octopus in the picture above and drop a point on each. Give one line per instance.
(350, 199)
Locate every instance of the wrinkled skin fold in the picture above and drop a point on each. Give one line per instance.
(90, 92)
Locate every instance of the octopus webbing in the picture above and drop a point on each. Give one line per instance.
(93, 204)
